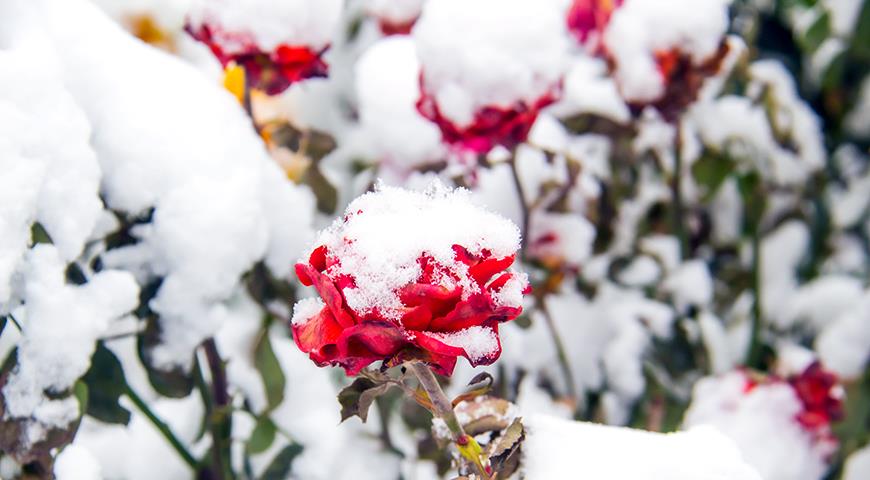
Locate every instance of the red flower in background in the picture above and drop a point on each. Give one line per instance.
(272, 72)
(820, 395)
(438, 323)
(588, 17)
(491, 126)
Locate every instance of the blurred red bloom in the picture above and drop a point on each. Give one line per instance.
(438, 323)
(588, 17)
(820, 395)
(492, 125)
(272, 72)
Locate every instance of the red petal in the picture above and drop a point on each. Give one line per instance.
(476, 310)
(484, 270)
(329, 293)
(301, 274)
(316, 335)
(318, 258)
(368, 342)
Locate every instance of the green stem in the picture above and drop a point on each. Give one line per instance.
(677, 198)
(220, 413)
(443, 406)
(753, 357)
(561, 353)
(161, 426)
(523, 207)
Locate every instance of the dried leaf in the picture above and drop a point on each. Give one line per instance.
(356, 398)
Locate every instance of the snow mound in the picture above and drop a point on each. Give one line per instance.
(556, 448)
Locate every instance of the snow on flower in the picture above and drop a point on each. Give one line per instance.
(488, 68)
(660, 53)
(395, 17)
(410, 275)
(277, 42)
(782, 425)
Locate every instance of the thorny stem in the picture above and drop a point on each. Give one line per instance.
(161, 426)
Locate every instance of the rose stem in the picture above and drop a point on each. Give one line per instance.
(218, 412)
(443, 406)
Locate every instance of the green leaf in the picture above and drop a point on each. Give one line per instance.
(174, 383)
(3, 321)
(356, 398)
(817, 33)
(38, 234)
(270, 370)
(710, 171)
(82, 394)
(325, 193)
(262, 436)
(106, 383)
(281, 465)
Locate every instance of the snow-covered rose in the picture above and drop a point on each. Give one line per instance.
(488, 68)
(409, 275)
(277, 43)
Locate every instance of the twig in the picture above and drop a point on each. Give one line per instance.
(561, 353)
(14, 321)
(523, 207)
(162, 427)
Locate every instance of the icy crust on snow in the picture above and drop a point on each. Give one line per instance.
(269, 22)
(640, 29)
(489, 52)
(220, 203)
(387, 87)
(60, 325)
(384, 233)
(762, 423)
(557, 448)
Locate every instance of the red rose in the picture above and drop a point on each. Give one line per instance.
(272, 72)
(588, 17)
(820, 395)
(421, 308)
(492, 125)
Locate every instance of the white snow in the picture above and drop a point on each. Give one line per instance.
(641, 28)
(385, 233)
(762, 423)
(857, 465)
(478, 342)
(387, 88)
(60, 324)
(556, 448)
(489, 52)
(76, 463)
(306, 309)
(270, 22)
(220, 203)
